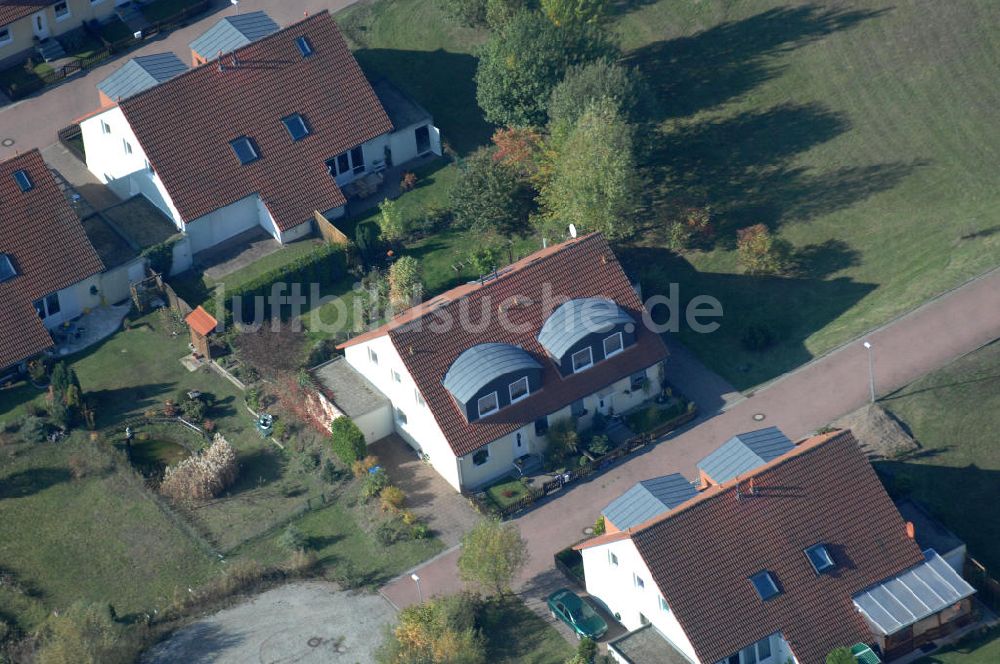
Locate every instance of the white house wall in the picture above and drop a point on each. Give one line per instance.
(420, 430)
(74, 299)
(377, 424)
(615, 587)
(115, 283)
(225, 222)
(125, 174)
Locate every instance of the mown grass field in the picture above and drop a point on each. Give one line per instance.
(861, 132)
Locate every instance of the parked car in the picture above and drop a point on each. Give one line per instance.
(568, 607)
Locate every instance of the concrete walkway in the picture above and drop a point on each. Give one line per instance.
(799, 403)
(33, 122)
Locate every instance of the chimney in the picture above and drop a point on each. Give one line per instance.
(236, 63)
(222, 67)
(751, 487)
(911, 530)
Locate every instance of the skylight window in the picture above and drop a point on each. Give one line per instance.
(820, 558)
(23, 181)
(7, 270)
(245, 150)
(765, 586)
(296, 126)
(305, 46)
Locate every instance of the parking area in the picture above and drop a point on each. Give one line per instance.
(305, 623)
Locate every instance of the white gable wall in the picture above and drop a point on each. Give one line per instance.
(615, 586)
(125, 174)
(420, 429)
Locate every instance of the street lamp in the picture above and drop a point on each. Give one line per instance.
(416, 580)
(871, 371)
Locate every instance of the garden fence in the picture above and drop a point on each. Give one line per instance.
(987, 587)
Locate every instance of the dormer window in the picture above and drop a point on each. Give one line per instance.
(613, 345)
(518, 389)
(296, 126)
(820, 558)
(305, 46)
(582, 359)
(23, 181)
(488, 404)
(245, 150)
(7, 270)
(765, 585)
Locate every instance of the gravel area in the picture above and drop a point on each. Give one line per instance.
(304, 623)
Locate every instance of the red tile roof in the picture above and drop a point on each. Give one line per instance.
(583, 267)
(185, 125)
(49, 249)
(702, 553)
(201, 321)
(15, 10)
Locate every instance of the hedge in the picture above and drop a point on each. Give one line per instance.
(325, 266)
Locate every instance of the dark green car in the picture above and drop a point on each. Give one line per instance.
(565, 605)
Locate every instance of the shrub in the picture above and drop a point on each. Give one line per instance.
(252, 399)
(600, 444)
(203, 475)
(347, 440)
(438, 630)
(33, 429)
(329, 472)
(208, 425)
(391, 221)
(467, 12)
(599, 526)
(678, 236)
(408, 517)
(405, 283)
(170, 408)
(361, 467)
(193, 409)
(841, 655)
(87, 634)
(391, 531)
(292, 538)
(420, 531)
(366, 238)
(759, 252)
(409, 181)
(301, 562)
(391, 498)
(374, 482)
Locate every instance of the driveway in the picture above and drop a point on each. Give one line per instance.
(33, 122)
(800, 402)
(304, 623)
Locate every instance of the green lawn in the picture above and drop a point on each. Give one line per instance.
(100, 538)
(954, 414)
(973, 649)
(515, 635)
(507, 493)
(862, 134)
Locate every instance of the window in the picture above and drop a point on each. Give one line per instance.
(423, 136)
(517, 439)
(7, 270)
(23, 181)
(582, 359)
(48, 306)
(5, 36)
(612, 559)
(764, 649)
(105, 127)
(518, 389)
(127, 146)
(765, 586)
(820, 558)
(296, 126)
(481, 457)
(400, 416)
(750, 655)
(305, 46)
(639, 583)
(245, 150)
(358, 160)
(419, 397)
(396, 378)
(488, 404)
(62, 10)
(613, 345)
(663, 605)
(372, 356)
(576, 408)
(541, 426)
(637, 381)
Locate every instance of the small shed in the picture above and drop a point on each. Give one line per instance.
(202, 325)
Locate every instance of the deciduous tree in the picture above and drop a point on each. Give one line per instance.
(492, 554)
(490, 198)
(575, 12)
(439, 631)
(587, 83)
(347, 440)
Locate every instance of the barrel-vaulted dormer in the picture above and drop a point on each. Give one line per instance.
(491, 376)
(582, 332)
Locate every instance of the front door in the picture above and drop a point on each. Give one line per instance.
(604, 404)
(41, 25)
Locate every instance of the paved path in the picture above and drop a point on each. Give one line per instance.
(33, 122)
(798, 403)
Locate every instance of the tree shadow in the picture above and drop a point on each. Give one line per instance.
(200, 642)
(819, 260)
(743, 168)
(690, 74)
(30, 482)
(791, 308)
(440, 81)
(113, 404)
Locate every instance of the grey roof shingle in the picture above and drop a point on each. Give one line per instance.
(744, 452)
(648, 499)
(575, 319)
(232, 33)
(141, 73)
(483, 363)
